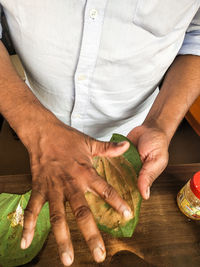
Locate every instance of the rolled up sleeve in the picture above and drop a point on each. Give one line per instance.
(191, 43)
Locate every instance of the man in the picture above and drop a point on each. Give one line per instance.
(94, 68)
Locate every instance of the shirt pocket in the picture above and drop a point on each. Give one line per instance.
(160, 17)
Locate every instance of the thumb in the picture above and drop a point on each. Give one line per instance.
(151, 169)
(109, 149)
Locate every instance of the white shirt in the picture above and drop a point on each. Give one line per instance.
(97, 64)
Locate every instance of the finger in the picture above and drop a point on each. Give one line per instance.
(151, 169)
(87, 225)
(31, 213)
(110, 195)
(60, 227)
(109, 149)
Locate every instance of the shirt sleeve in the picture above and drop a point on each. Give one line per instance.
(191, 43)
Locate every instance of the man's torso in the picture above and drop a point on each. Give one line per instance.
(96, 63)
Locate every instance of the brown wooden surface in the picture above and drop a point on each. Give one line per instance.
(163, 237)
(193, 116)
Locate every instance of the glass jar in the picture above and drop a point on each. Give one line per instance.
(188, 198)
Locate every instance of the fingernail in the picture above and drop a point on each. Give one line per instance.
(99, 254)
(148, 192)
(121, 143)
(23, 243)
(66, 259)
(127, 214)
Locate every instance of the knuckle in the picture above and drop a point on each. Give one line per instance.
(100, 147)
(72, 194)
(82, 212)
(57, 218)
(108, 192)
(94, 148)
(150, 176)
(69, 179)
(25, 230)
(95, 180)
(92, 239)
(28, 213)
(93, 174)
(84, 170)
(38, 186)
(38, 193)
(78, 169)
(89, 141)
(29, 229)
(106, 146)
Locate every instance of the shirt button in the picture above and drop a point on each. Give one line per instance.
(77, 116)
(81, 77)
(93, 13)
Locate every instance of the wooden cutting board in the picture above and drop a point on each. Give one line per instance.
(164, 236)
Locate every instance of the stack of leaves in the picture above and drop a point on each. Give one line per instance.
(120, 172)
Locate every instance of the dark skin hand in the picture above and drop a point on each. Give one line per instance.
(152, 145)
(180, 88)
(61, 163)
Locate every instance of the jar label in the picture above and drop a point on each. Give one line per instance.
(186, 207)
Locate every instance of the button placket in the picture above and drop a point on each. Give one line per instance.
(93, 22)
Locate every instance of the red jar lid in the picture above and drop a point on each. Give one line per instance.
(195, 184)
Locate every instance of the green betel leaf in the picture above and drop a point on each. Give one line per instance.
(131, 154)
(11, 223)
(120, 172)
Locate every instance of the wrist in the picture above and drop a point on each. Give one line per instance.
(30, 124)
(180, 88)
(159, 125)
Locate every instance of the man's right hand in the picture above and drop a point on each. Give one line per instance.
(62, 170)
(61, 164)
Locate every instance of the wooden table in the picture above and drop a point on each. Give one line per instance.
(164, 236)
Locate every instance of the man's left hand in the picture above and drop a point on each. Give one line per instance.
(152, 145)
